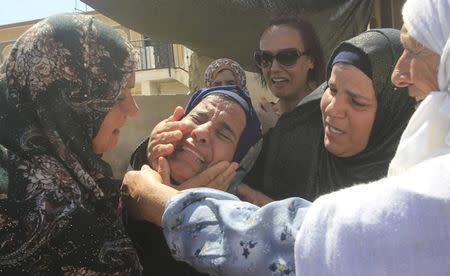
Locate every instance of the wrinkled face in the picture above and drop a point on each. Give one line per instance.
(224, 77)
(416, 68)
(348, 110)
(219, 124)
(285, 82)
(108, 134)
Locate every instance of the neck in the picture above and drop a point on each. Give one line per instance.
(288, 104)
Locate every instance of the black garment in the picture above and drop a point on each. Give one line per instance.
(149, 240)
(288, 160)
(294, 150)
(154, 254)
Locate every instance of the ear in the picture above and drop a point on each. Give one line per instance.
(310, 63)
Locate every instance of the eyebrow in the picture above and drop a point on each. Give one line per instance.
(351, 93)
(356, 95)
(204, 115)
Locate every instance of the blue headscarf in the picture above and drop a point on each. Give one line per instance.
(252, 130)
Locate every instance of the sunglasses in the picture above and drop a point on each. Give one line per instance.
(286, 57)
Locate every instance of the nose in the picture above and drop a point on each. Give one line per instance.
(401, 76)
(201, 133)
(275, 66)
(335, 107)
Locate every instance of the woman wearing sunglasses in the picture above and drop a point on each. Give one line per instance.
(290, 62)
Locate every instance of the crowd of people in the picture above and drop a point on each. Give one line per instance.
(346, 174)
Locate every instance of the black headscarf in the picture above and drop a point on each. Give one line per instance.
(294, 161)
(394, 109)
(63, 76)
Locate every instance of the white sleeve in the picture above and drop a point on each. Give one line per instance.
(396, 226)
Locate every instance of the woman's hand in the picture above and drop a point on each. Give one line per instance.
(166, 135)
(144, 195)
(217, 176)
(268, 115)
(251, 195)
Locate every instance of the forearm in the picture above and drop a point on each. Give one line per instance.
(216, 233)
(150, 203)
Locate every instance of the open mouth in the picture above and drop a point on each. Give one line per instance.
(200, 158)
(334, 130)
(278, 80)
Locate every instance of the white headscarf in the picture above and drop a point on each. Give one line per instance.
(428, 132)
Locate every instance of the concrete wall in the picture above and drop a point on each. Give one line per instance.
(153, 109)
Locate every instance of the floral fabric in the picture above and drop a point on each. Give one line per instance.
(58, 202)
(215, 232)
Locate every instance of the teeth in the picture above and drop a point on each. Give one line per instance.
(335, 130)
(278, 79)
(194, 153)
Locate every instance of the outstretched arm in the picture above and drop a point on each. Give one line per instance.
(215, 232)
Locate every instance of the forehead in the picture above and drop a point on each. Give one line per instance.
(225, 73)
(215, 103)
(352, 79)
(280, 37)
(408, 41)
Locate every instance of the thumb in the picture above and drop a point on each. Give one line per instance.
(164, 170)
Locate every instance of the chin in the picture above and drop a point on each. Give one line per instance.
(180, 173)
(333, 149)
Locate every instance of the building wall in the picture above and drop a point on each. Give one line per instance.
(178, 83)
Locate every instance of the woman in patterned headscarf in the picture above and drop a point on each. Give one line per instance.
(64, 97)
(224, 71)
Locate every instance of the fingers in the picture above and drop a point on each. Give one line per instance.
(251, 195)
(205, 177)
(178, 113)
(244, 192)
(264, 104)
(164, 170)
(222, 180)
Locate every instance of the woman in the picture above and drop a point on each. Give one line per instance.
(290, 60)
(225, 126)
(361, 128)
(220, 72)
(66, 94)
(395, 226)
(291, 64)
(225, 71)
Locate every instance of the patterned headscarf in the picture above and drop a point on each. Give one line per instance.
(221, 64)
(62, 77)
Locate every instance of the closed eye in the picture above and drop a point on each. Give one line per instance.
(357, 103)
(225, 132)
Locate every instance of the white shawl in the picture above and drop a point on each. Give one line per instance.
(428, 132)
